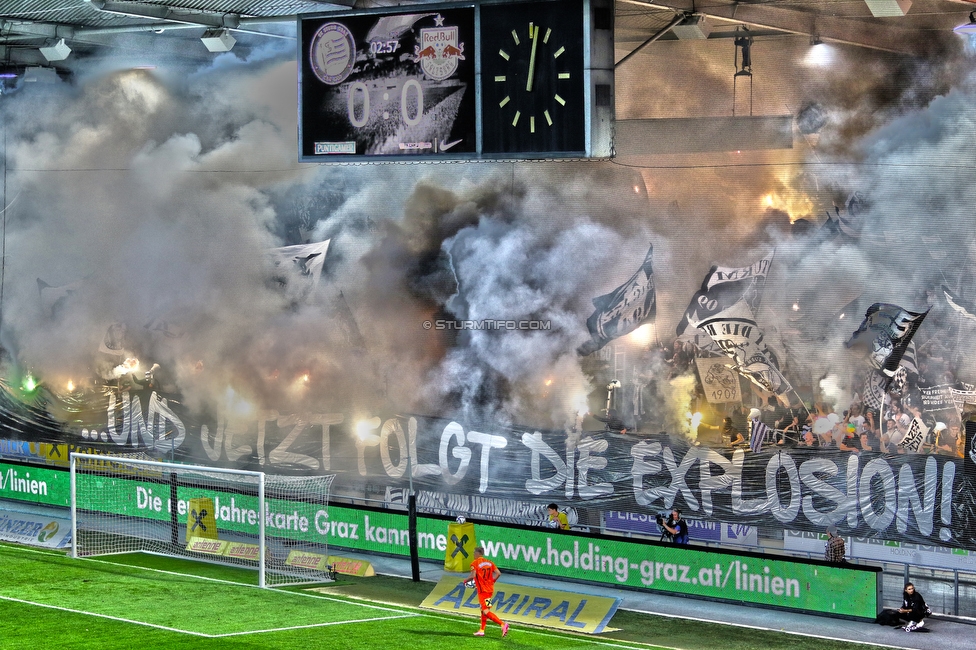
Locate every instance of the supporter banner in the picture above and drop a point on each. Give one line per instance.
(903, 497)
(34, 530)
(936, 399)
(563, 610)
(720, 382)
(962, 397)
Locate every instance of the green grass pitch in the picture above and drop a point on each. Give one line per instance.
(145, 601)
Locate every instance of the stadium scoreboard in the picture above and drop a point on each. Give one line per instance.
(476, 80)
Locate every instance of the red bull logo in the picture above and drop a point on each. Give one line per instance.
(439, 52)
(427, 53)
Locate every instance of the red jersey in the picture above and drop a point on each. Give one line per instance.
(484, 575)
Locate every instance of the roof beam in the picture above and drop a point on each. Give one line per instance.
(867, 32)
(159, 12)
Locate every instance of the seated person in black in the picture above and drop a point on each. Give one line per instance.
(913, 608)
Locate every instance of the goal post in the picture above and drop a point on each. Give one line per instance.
(277, 525)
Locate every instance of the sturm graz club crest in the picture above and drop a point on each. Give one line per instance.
(439, 51)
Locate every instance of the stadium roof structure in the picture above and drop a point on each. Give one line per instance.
(71, 30)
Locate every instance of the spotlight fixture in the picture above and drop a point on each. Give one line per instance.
(815, 40)
(57, 52)
(218, 40)
(967, 28)
(693, 27)
(888, 8)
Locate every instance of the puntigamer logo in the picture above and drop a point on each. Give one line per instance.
(12, 481)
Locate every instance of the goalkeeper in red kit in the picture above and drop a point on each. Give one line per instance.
(483, 575)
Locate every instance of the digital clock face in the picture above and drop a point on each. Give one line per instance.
(388, 84)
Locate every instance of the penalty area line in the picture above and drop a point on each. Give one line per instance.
(312, 625)
(156, 626)
(106, 616)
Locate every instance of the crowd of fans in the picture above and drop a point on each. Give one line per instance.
(856, 428)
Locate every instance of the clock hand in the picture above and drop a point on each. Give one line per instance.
(534, 34)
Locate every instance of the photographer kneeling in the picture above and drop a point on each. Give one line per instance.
(675, 527)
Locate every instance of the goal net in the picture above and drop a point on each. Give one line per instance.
(277, 525)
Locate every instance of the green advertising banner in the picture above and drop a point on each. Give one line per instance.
(35, 485)
(810, 586)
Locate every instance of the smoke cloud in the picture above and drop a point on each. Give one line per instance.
(156, 196)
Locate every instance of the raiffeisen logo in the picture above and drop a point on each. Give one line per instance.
(11, 481)
(48, 532)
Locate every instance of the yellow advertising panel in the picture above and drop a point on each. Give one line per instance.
(305, 560)
(563, 610)
(243, 551)
(460, 547)
(200, 520)
(207, 545)
(350, 567)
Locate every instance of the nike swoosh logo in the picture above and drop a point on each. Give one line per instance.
(448, 145)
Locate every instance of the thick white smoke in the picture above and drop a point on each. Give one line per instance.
(159, 194)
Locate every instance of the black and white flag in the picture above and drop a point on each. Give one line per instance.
(758, 435)
(846, 225)
(723, 287)
(967, 309)
(113, 342)
(296, 269)
(738, 335)
(873, 390)
(885, 335)
(622, 310)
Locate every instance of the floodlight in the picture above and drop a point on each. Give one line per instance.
(967, 28)
(57, 52)
(888, 8)
(218, 40)
(691, 28)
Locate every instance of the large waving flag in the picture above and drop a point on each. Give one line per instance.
(738, 335)
(885, 335)
(723, 287)
(967, 309)
(622, 310)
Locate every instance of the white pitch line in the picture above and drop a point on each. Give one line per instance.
(238, 584)
(768, 629)
(111, 618)
(302, 627)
